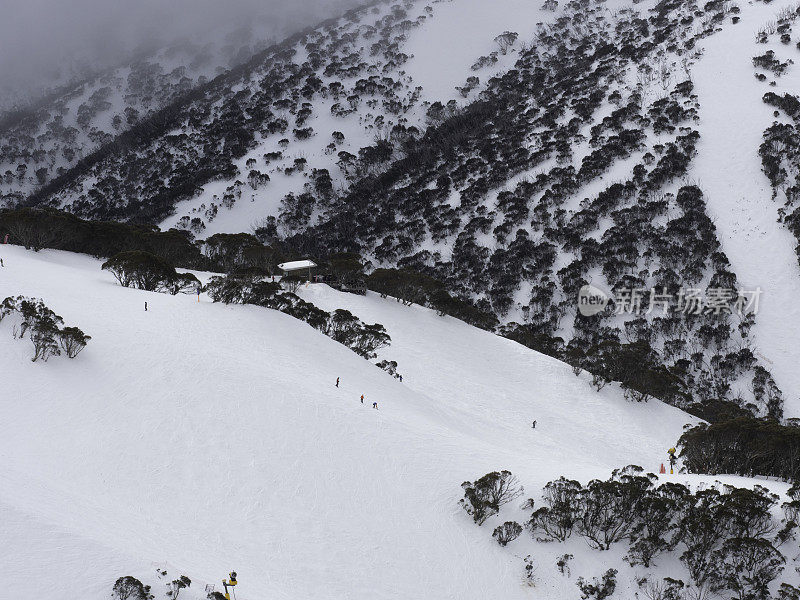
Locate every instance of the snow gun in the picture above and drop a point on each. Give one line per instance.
(230, 583)
(672, 459)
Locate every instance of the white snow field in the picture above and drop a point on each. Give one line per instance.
(207, 438)
(728, 169)
(446, 46)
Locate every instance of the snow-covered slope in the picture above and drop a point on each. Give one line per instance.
(209, 437)
(614, 143)
(266, 129)
(445, 48)
(40, 141)
(565, 157)
(733, 118)
(440, 41)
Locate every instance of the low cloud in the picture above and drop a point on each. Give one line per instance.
(45, 42)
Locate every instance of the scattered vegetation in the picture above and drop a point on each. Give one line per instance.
(726, 538)
(497, 223)
(340, 325)
(31, 317)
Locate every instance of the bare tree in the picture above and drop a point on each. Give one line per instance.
(505, 40)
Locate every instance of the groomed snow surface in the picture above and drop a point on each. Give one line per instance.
(201, 438)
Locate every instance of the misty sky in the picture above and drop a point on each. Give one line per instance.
(42, 40)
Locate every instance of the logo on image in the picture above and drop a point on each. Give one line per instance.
(591, 300)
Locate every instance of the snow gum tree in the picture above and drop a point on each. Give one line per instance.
(44, 328)
(562, 510)
(607, 507)
(507, 532)
(747, 567)
(145, 271)
(175, 586)
(130, 588)
(72, 341)
(484, 497)
(599, 589)
(654, 531)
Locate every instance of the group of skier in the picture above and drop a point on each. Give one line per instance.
(374, 404)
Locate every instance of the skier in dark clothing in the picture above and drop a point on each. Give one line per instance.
(534, 425)
(337, 382)
(401, 379)
(375, 405)
(145, 307)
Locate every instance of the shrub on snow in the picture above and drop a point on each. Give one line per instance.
(484, 497)
(130, 588)
(44, 328)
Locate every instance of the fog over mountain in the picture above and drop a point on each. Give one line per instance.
(46, 43)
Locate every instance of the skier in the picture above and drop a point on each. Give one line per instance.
(534, 425)
(401, 379)
(362, 398)
(1, 263)
(145, 307)
(672, 459)
(375, 405)
(337, 382)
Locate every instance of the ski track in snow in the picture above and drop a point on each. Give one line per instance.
(738, 194)
(211, 437)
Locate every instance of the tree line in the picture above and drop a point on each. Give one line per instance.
(745, 446)
(340, 325)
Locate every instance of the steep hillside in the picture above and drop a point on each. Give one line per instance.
(493, 160)
(295, 119)
(575, 167)
(41, 141)
(738, 127)
(211, 437)
(565, 158)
